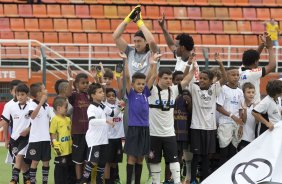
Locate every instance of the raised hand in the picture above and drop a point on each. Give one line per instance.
(162, 21)
(155, 57)
(122, 55)
(133, 14)
(217, 57)
(70, 73)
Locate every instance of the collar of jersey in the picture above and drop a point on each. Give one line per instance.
(21, 107)
(98, 105)
(37, 102)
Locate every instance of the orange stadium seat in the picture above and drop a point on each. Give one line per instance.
(222, 39)
(74, 25)
(221, 13)
(107, 38)
(11, 10)
(208, 13)
(208, 40)
(17, 24)
(244, 26)
(269, 2)
(103, 25)
(46, 25)
(25, 10)
(216, 26)
(82, 11)
(31, 24)
(228, 2)
(154, 12)
(249, 13)
(149, 24)
(51, 37)
(110, 11)
(156, 27)
(1, 10)
(173, 2)
(21, 35)
(65, 38)
(96, 11)
(236, 40)
(236, 13)
(131, 28)
(115, 23)
(39, 10)
(194, 13)
(180, 12)
(174, 26)
(80, 38)
(36, 36)
(168, 10)
(202, 26)
(201, 2)
(276, 13)
(72, 52)
(83, 51)
(113, 52)
(123, 11)
(68, 11)
(60, 25)
(6, 35)
(5, 24)
(49, 1)
(242, 2)
(187, 2)
(251, 39)
(101, 52)
(188, 26)
(257, 27)
(214, 2)
(230, 27)
(255, 2)
(94, 38)
(162, 39)
(88, 25)
(263, 13)
(54, 11)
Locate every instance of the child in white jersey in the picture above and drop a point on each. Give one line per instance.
(230, 122)
(18, 113)
(97, 133)
(247, 117)
(39, 148)
(268, 111)
(203, 125)
(114, 152)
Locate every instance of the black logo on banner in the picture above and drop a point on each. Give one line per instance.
(255, 163)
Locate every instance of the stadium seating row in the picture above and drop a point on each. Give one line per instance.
(106, 38)
(168, 2)
(107, 25)
(154, 12)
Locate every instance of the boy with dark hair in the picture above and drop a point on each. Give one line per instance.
(78, 98)
(19, 113)
(230, 127)
(250, 71)
(39, 148)
(60, 130)
(268, 111)
(97, 133)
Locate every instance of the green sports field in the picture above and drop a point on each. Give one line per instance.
(5, 170)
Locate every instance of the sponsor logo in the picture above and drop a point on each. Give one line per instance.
(246, 170)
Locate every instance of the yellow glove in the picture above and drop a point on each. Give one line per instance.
(132, 14)
(139, 20)
(57, 147)
(99, 74)
(118, 75)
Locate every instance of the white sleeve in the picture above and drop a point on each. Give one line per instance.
(262, 107)
(51, 112)
(6, 112)
(217, 88)
(32, 106)
(242, 99)
(93, 117)
(221, 98)
(175, 90)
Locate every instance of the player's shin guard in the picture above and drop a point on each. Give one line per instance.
(15, 176)
(26, 176)
(156, 173)
(175, 171)
(32, 174)
(87, 171)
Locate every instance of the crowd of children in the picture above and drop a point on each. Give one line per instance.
(183, 116)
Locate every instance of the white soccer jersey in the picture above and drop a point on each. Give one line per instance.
(181, 66)
(118, 130)
(249, 126)
(19, 114)
(98, 130)
(6, 110)
(204, 106)
(230, 99)
(162, 122)
(253, 76)
(271, 108)
(39, 130)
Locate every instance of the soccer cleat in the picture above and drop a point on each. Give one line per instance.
(13, 182)
(27, 182)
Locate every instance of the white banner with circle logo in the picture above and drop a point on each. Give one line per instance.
(259, 162)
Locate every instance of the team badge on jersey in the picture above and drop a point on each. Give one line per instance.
(32, 152)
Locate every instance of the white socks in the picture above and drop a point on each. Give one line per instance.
(156, 173)
(175, 171)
